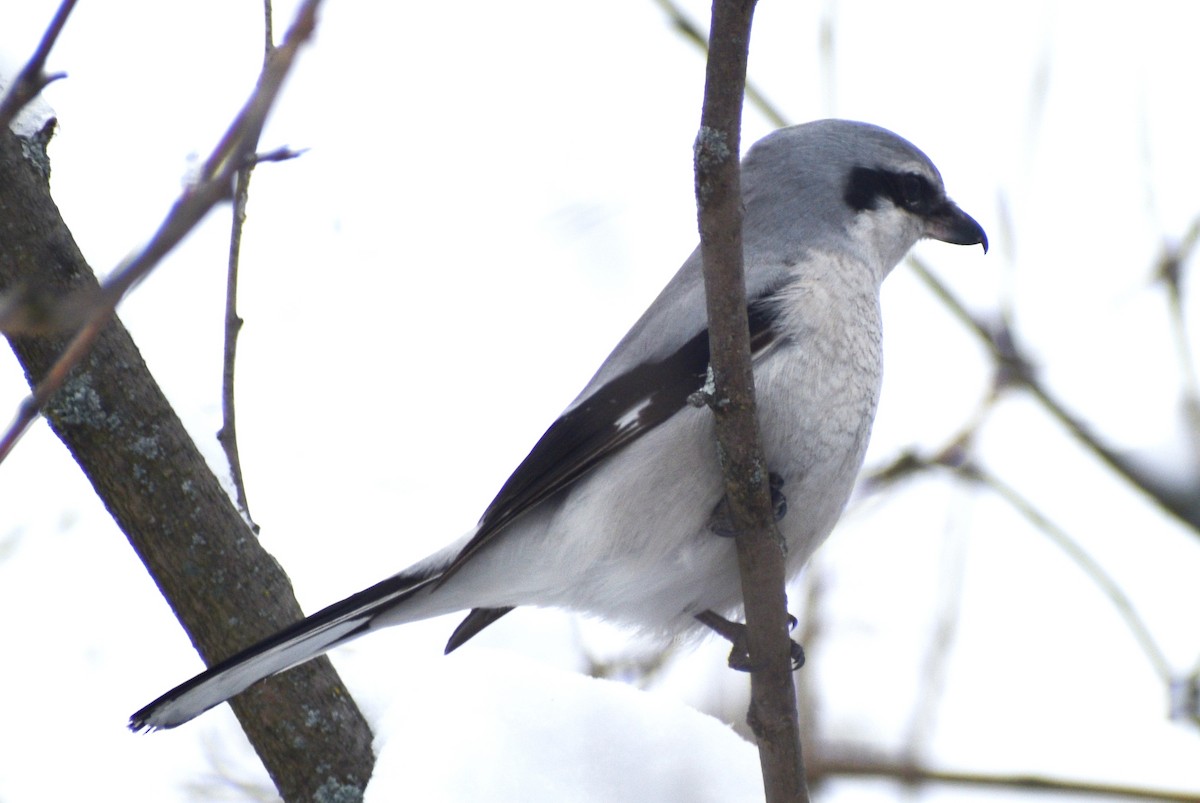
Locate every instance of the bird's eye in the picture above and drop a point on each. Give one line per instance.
(914, 191)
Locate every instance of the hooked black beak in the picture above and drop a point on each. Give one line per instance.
(950, 224)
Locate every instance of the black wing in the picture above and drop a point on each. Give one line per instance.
(618, 413)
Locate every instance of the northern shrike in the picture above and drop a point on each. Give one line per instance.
(617, 511)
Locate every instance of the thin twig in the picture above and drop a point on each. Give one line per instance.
(33, 77)
(35, 308)
(826, 768)
(1089, 565)
(214, 184)
(811, 631)
(1171, 273)
(1016, 370)
(694, 34)
(268, 32)
(953, 458)
(227, 434)
(936, 661)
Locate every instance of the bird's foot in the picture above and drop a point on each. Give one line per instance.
(721, 520)
(735, 633)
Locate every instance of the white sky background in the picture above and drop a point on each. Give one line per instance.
(490, 198)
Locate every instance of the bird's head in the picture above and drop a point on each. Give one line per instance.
(837, 184)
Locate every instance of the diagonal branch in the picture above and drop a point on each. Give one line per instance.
(961, 466)
(225, 589)
(692, 33)
(1016, 369)
(33, 77)
(235, 151)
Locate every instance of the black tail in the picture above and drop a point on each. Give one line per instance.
(293, 645)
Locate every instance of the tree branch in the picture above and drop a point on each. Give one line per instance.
(915, 775)
(962, 467)
(690, 31)
(235, 151)
(227, 434)
(124, 435)
(33, 77)
(1015, 368)
(772, 714)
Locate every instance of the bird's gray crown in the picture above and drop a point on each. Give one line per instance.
(814, 167)
(823, 153)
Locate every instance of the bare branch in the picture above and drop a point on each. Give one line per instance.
(1016, 369)
(33, 308)
(954, 458)
(772, 714)
(938, 652)
(121, 430)
(33, 77)
(227, 434)
(692, 33)
(268, 32)
(834, 767)
(1089, 565)
(214, 185)
(1171, 273)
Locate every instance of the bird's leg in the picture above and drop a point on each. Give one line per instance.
(721, 521)
(735, 633)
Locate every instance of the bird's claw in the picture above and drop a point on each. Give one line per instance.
(721, 520)
(739, 654)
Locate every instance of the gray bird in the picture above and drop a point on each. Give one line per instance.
(618, 510)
